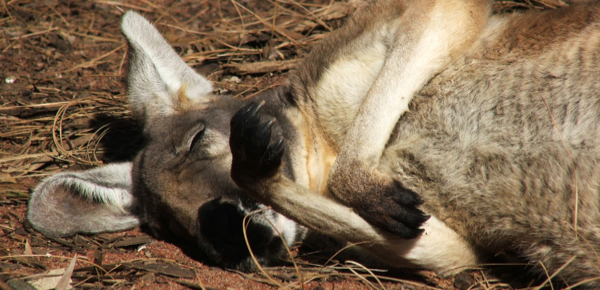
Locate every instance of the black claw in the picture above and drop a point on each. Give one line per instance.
(253, 154)
(257, 107)
(251, 109)
(277, 147)
(275, 152)
(244, 111)
(407, 233)
(394, 209)
(245, 118)
(405, 197)
(411, 217)
(413, 233)
(396, 227)
(265, 129)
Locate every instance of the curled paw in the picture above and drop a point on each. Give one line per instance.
(381, 201)
(396, 212)
(255, 155)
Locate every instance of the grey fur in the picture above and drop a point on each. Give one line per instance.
(502, 145)
(103, 202)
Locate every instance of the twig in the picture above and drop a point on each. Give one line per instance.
(91, 62)
(555, 273)
(130, 6)
(34, 34)
(246, 221)
(292, 36)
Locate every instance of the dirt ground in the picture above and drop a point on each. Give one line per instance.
(63, 107)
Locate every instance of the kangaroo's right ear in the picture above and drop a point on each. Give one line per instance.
(159, 81)
(92, 201)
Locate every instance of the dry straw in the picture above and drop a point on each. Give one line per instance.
(58, 112)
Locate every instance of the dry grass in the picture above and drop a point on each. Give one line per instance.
(63, 102)
(53, 126)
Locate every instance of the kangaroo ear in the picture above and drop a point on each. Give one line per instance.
(159, 81)
(92, 201)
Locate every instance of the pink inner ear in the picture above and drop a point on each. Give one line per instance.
(62, 211)
(72, 203)
(160, 83)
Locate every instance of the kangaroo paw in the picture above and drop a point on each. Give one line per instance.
(255, 157)
(380, 200)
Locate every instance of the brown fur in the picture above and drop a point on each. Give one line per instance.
(500, 142)
(501, 145)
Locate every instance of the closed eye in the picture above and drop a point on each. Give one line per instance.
(193, 136)
(197, 137)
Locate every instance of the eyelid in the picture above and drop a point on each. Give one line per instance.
(191, 136)
(199, 134)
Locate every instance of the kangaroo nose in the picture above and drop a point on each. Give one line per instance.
(220, 223)
(221, 237)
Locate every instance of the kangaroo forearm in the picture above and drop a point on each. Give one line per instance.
(329, 217)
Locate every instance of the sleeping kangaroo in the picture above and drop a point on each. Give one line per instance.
(431, 133)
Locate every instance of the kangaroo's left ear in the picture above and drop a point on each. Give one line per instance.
(159, 81)
(91, 201)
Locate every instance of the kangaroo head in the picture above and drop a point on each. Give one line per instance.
(179, 184)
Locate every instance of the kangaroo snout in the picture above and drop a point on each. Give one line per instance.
(229, 230)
